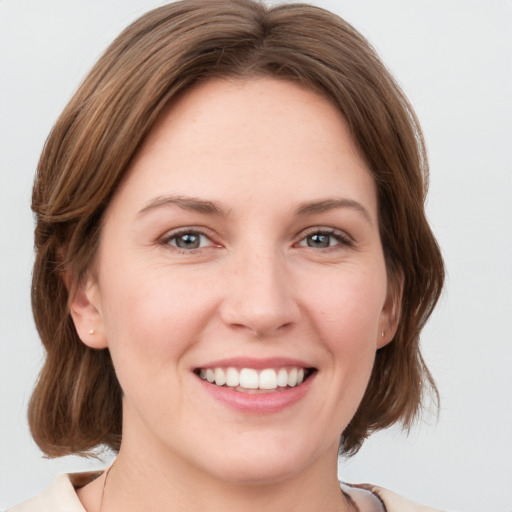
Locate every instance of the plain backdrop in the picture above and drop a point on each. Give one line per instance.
(454, 60)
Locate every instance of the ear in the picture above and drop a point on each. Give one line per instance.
(390, 314)
(85, 309)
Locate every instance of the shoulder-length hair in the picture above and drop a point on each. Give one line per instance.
(76, 405)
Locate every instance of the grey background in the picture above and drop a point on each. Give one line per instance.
(454, 60)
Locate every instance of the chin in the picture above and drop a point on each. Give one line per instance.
(266, 466)
(263, 472)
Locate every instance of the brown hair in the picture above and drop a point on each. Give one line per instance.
(76, 405)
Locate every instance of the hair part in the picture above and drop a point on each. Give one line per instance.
(76, 405)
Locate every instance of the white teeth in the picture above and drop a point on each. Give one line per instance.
(282, 377)
(249, 378)
(292, 377)
(268, 379)
(220, 377)
(232, 377)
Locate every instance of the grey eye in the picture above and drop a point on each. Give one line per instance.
(320, 240)
(188, 240)
(325, 239)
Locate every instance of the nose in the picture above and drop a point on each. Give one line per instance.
(260, 296)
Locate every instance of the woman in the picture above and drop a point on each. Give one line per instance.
(233, 264)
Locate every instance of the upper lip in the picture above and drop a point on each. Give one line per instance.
(256, 363)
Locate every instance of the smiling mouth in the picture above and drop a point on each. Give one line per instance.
(250, 380)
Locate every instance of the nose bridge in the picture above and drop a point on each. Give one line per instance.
(259, 295)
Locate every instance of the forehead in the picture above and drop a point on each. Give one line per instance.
(250, 111)
(246, 137)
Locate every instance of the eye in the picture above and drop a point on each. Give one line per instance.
(325, 238)
(188, 240)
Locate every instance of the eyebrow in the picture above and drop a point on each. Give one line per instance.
(186, 203)
(207, 207)
(324, 205)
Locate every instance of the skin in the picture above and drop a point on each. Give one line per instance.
(257, 286)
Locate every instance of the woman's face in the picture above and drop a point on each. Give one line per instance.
(243, 245)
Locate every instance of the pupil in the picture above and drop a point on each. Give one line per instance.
(188, 241)
(318, 240)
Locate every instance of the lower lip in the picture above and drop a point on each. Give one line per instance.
(258, 403)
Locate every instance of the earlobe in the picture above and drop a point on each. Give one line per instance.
(85, 309)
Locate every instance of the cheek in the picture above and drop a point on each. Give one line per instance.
(151, 322)
(348, 307)
(346, 315)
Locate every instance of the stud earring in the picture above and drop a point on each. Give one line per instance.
(382, 334)
(91, 332)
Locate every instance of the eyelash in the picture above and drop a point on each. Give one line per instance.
(169, 237)
(342, 239)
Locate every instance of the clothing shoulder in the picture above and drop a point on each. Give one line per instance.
(60, 496)
(371, 498)
(396, 503)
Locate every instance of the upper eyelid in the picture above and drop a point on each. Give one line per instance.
(326, 230)
(166, 238)
(172, 233)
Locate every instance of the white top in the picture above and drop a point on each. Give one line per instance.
(61, 496)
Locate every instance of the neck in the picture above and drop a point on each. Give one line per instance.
(160, 484)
